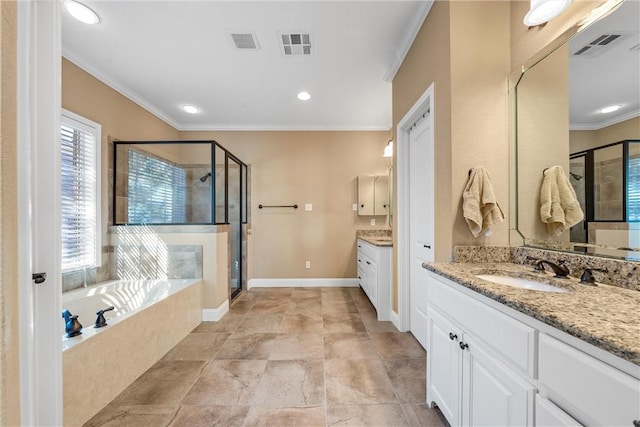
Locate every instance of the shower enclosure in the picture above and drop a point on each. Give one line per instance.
(607, 183)
(184, 183)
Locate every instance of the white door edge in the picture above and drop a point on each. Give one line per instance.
(39, 57)
(424, 103)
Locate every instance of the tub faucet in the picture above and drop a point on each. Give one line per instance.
(73, 326)
(101, 321)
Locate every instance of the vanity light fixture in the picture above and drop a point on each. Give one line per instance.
(610, 109)
(190, 109)
(388, 149)
(541, 11)
(81, 12)
(304, 96)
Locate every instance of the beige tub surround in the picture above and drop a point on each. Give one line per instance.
(100, 368)
(604, 316)
(155, 242)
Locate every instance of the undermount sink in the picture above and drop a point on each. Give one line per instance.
(518, 282)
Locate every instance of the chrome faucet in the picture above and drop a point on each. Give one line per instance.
(559, 269)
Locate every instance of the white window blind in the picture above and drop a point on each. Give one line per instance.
(157, 190)
(80, 192)
(633, 189)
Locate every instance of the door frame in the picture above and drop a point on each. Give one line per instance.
(424, 103)
(39, 107)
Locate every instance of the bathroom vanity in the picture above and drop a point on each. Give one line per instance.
(374, 272)
(502, 355)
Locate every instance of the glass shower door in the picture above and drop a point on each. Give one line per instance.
(234, 176)
(577, 174)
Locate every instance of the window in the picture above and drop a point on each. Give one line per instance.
(80, 192)
(633, 183)
(156, 190)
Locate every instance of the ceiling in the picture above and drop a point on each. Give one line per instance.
(608, 76)
(164, 54)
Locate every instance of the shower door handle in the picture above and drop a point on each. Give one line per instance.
(39, 277)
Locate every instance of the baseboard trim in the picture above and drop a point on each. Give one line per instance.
(303, 283)
(395, 319)
(215, 314)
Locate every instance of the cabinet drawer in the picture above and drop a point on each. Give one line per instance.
(367, 249)
(549, 415)
(510, 339)
(589, 389)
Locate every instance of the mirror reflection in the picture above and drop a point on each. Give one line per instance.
(579, 109)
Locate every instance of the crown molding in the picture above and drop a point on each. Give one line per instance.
(283, 128)
(407, 42)
(612, 121)
(121, 88)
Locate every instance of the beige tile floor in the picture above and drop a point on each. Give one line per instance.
(284, 357)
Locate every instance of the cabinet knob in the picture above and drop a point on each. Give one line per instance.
(427, 246)
(368, 263)
(452, 336)
(463, 345)
(362, 206)
(359, 277)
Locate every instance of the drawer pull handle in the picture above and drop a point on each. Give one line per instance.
(427, 246)
(452, 336)
(463, 345)
(636, 423)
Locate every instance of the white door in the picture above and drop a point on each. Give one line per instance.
(420, 219)
(39, 59)
(492, 394)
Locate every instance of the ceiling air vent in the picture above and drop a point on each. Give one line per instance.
(296, 43)
(598, 45)
(244, 40)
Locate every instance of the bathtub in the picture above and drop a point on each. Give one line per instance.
(150, 318)
(126, 296)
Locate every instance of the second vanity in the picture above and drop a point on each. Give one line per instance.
(374, 271)
(503, 355)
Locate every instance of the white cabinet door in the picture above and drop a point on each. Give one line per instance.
(381, 195)
(444, 365)
(372, 282)
(492, 393)
(365, 195)
(549, 415)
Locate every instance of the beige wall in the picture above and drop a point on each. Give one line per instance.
(297, 168)
(479, 134)
(120, 118)
(585, 139)
(9, 316)
(428, 61)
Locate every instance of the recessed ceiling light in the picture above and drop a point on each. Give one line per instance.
(610, 109)
(81, 12)
(304, 96)
(190, 109)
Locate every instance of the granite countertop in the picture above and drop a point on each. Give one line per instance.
(377, 240)
(603, 315)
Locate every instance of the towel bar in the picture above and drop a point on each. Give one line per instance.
(278, 206)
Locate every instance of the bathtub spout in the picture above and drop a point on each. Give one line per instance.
(73, 326)
(101, 321)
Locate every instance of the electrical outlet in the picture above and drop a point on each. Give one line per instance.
(373, 221)
(355, 207)
(307, 265)
(308, 207)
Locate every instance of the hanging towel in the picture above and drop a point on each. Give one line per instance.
(479, 207)
(559, 207)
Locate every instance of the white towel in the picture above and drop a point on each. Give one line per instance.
(559, 206)
(480, 208)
